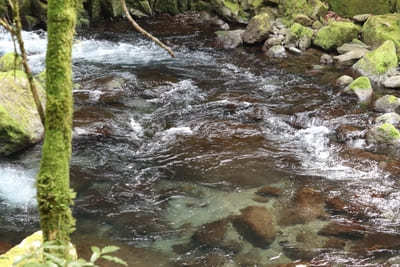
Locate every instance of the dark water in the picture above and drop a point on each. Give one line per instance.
(164, 147)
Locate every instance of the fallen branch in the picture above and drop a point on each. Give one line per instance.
(144, 32)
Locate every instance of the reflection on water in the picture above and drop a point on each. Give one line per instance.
(169, 154)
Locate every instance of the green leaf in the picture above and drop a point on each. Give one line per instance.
(114, 259)
(109, 249)
(54, 259)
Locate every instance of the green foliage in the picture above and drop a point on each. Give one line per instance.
(50, 258)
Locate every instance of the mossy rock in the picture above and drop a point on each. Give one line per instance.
(20, 125)
(362, 88)
(350, 8)
(378, 62)
(379, 29)
(335, 34)
(311, 8)
(298, 31)
(384, 133)
(258, 29)
(10, 61)
(30, 244)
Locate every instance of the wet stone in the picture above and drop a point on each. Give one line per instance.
(343, 230)
(387, 103)
(256, 225)
(392, 82)
(347, 133)
(211, 234)
(335, 243)
(326, 59)
(344, 80)
(269, 191)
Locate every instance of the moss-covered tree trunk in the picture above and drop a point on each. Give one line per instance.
(53, 191)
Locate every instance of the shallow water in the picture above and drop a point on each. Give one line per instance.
(163, 146)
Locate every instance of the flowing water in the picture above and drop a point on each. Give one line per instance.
(165, 146)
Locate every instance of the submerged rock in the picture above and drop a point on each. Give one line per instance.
(362, 88)
(343, 230)
(387, 103)
(379, 29)
(20, 124)
(256, 225)
(229, 39)
(10, 61)
(277, 51)
(379, 62)
(258, 29)
(384, 134)
(336, 34)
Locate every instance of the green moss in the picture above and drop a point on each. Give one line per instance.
(53, 192)
(335, 34)
(392, 99)
(389, 131)
(298, 31)
(362, 83)
(349, 8)
(233, 6)
(378, 29)
(311, 8)
(10, 61)
(379, 61)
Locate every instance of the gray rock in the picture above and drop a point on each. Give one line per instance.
(294, 50)
(274, 40)
(392, 118)
(304, 42)
(362, 88)
(277, 51)
(351, 55)
(326, 59)
(344, 80)
(384, 134)
(258, 29)
(392, 82)
(361, 18)
(229, 39)
(355, 45)
(387, 103)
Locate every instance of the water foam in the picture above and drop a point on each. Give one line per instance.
(17, 186)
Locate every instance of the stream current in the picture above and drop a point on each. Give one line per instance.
(164, 146)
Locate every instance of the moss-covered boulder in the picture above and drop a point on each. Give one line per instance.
(362, 88)
(379, 29)
(20, 125)
(378, 62)
(387, 103)
(10, 61)
(311, 8)
(384, 133)
(349, 8)
(27, 246)
(336, 34)
(258, 29)
(301, 35)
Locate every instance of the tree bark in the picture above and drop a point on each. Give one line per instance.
(53, 191)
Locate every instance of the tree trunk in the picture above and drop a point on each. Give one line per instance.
(53, 192)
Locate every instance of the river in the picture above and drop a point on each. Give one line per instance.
(164, 146)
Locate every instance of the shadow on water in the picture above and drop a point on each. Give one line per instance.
(182, 162)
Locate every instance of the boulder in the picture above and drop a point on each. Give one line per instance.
(378, 62)
(258, 29)
(301, 35)
(256, 224)
(384, 134)
(312, 8)
(20, 125)
(387, 103)
(362, 88)
(344, 80)
(351, 55)
(10, 61)
(392, 82)
(379, 29)
(326, 59)
(350, 8)
(354, 45)
(336, 34)
(392, 118)
(229, 39)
